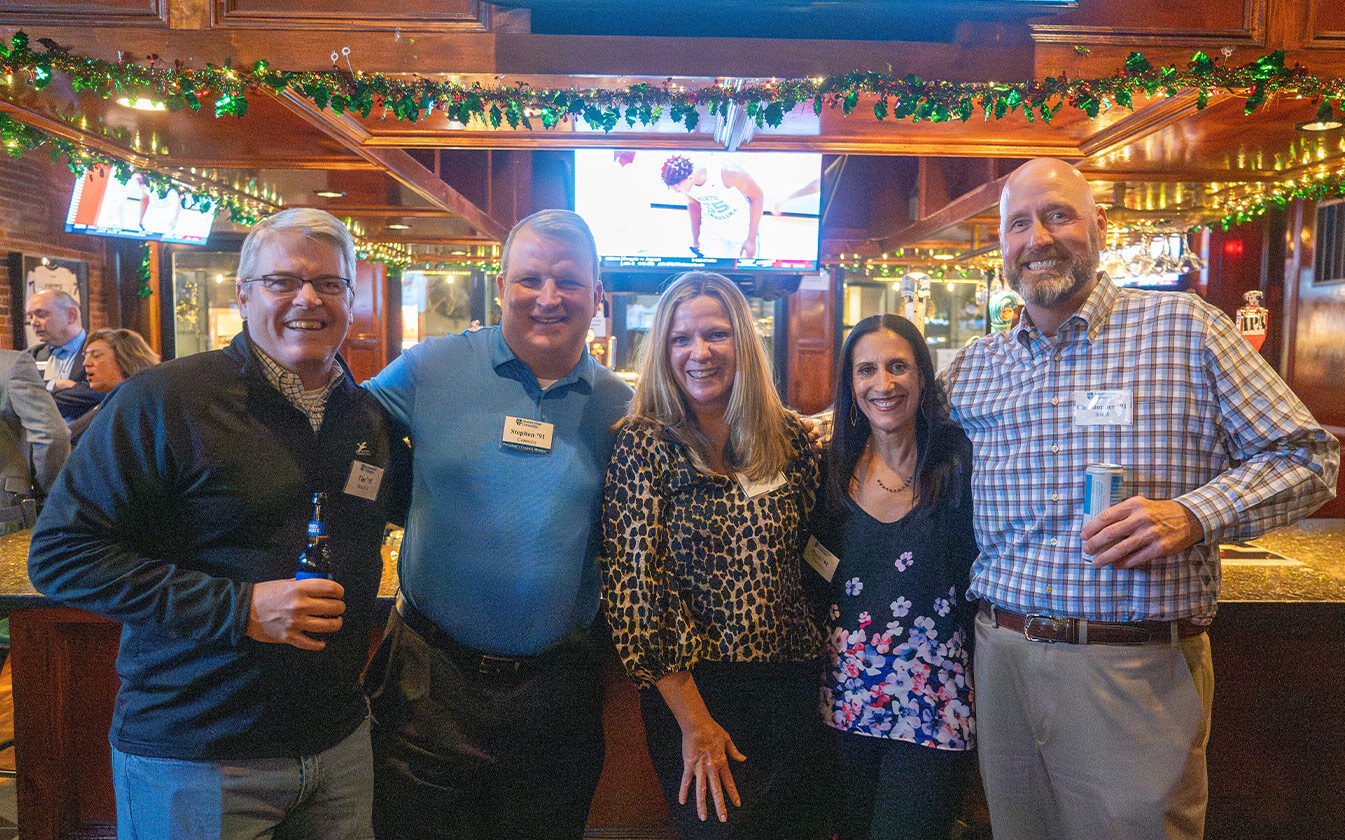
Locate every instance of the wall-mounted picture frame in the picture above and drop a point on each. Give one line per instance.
(36, 273)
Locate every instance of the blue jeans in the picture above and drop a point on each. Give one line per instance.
(327, 796)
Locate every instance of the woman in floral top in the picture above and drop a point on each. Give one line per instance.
(896, 512)
(706, 504)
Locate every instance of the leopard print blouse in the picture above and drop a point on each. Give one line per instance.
(694, 570)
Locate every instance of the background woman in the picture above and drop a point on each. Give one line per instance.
(897, 513)
(705, 511)
(110, 357)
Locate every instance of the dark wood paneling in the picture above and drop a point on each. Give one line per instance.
(812, 342)
(1314, 319)
(366, 346)
(1277, 745)
(98, 13)
(64, 688)
(419, 15)
(1155, 22)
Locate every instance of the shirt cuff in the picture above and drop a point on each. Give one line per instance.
(1211, 509)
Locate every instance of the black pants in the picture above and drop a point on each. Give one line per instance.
(770, 710)
(502, 755)
(895, 790)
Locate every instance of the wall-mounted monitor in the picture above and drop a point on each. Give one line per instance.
(671, 209)
(104, 205)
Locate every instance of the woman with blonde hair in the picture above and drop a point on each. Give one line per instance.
(705, 508)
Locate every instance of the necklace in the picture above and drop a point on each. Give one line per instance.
(905, 484)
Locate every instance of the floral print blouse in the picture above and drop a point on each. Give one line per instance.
(696, 567)
(899, 653)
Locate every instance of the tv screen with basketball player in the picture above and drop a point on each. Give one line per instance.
(682, 209)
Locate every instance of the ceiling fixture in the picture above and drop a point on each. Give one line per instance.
(945, 256)
(142, 104)
(1324, 121)
(398, 226)
(329, 194)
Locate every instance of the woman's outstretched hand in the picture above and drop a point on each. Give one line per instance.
(706, 747)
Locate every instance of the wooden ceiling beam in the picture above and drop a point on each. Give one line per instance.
(398, 164)
(958, 210)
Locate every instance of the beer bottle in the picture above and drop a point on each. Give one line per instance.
(315, 561)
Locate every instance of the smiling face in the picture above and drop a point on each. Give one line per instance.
(702, 354)
(100, 365)
(1051, 233)
(548, 296)
(302, 330)
(886, 381)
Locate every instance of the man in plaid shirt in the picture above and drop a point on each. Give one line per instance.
(1103, 734)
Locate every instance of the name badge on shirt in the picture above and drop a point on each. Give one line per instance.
(1102, 408)
(527, 435)
(760, 488)
(364, 480)
(48, 368)
(822, 561)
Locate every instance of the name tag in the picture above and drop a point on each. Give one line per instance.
(364, 480)
(760, 488)
(48, 368)
(527, 435)
(1102, 408)
(822, 561)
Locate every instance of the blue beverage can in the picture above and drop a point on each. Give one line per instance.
(1103, 486)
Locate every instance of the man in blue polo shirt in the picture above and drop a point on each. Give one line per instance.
(487, 690)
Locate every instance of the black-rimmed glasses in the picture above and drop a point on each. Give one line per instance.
(287, 284)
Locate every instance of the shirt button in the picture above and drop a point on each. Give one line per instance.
(1055, 497)
(1049, 590)
(1055, 401)
(1053, 540)
(1055, 447)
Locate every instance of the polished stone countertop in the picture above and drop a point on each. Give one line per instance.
(1306, 564)
(16, 591)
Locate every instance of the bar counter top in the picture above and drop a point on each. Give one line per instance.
(1303, 563)
(17, 592)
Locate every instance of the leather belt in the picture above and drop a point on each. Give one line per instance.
(1039, 627)
(469, 659)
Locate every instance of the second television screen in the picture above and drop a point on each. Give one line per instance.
(723, 211)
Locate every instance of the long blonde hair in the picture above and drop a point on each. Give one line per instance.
(759, 443)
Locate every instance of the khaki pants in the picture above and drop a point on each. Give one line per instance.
(1079, 742)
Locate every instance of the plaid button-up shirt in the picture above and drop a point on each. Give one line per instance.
(1213, 427)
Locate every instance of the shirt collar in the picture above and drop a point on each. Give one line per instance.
(501, 356)
(72, 346)
(1092, 314)
(288, 383)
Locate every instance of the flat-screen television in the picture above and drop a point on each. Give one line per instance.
(104, 205)
(682, 209)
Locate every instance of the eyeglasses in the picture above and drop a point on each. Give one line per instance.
(288, 284)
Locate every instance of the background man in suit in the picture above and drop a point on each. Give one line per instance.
(56, 320)
(33, 439)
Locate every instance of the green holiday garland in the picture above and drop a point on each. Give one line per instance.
(896, 97)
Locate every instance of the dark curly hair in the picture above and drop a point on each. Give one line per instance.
(942, 454)
(677, 169)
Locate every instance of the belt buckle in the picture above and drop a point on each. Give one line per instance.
(1034, 624)
(497, 665)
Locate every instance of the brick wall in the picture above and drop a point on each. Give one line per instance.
(34, 197)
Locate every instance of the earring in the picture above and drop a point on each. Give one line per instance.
(854, 416)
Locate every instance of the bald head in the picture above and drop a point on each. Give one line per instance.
(1040, 173)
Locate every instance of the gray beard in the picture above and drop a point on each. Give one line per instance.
(1047, 293)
